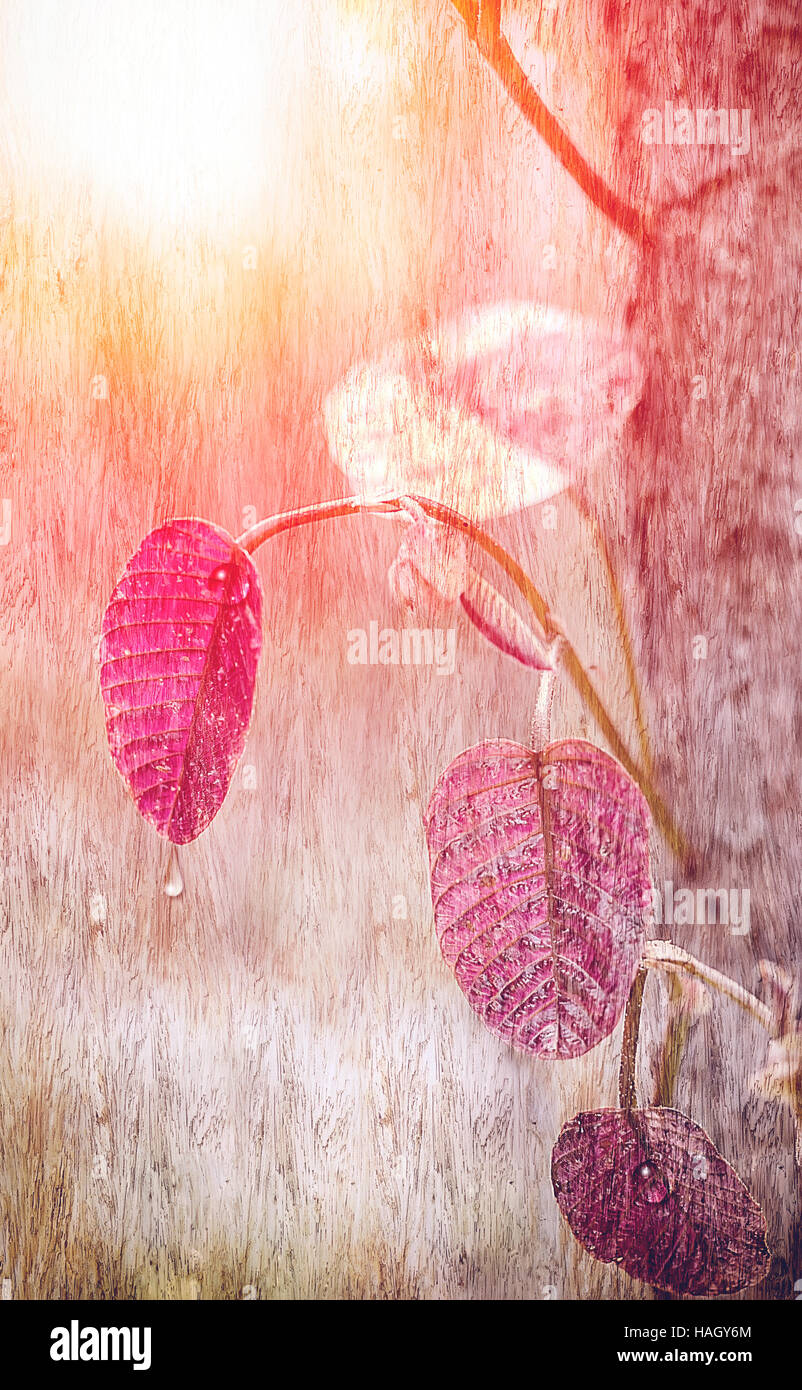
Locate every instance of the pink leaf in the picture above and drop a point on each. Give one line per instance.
(180, 645)
(498, 621)
(540, 884)
(649, 1191)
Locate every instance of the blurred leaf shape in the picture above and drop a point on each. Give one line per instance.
(433, 570)
(540, 885)
(782, 996)
(433, 565)
(781, 1077)
(494, 411)
(180, 645)
(647, 1190)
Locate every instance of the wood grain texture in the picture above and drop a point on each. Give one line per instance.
(272, 1081)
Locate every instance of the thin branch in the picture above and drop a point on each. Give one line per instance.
(629, 1044)
(262, 531)
(621, 619)
(678, 1024)
(775, 179)
(664, 955)
(483, 25)
(572, 666)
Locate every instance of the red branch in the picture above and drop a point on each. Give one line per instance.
(482, 20)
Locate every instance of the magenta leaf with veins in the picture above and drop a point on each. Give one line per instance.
(179, 650)
(540, 884)
(648, 1190)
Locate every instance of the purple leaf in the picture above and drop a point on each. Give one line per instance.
(180, 645)
(540, 884)
(649, 1191)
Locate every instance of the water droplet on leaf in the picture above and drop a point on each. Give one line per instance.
(229, 574)
(173, 883)
(219, 577)
(649, 1184)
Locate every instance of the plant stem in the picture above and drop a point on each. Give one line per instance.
(623, 630)
(498, 54)
(541, 719)
(262, 531)
(256, 535)
(677, 1028)
(629, 1045)
(664, 955)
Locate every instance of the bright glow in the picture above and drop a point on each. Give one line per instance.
(168, 112)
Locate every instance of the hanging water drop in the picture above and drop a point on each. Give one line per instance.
(173, 883)
(649, 1183)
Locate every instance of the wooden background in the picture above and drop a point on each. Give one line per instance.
(272, 1083)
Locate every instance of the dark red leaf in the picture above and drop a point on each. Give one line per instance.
(180, 645)
(649, 1191)
(540, 885)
